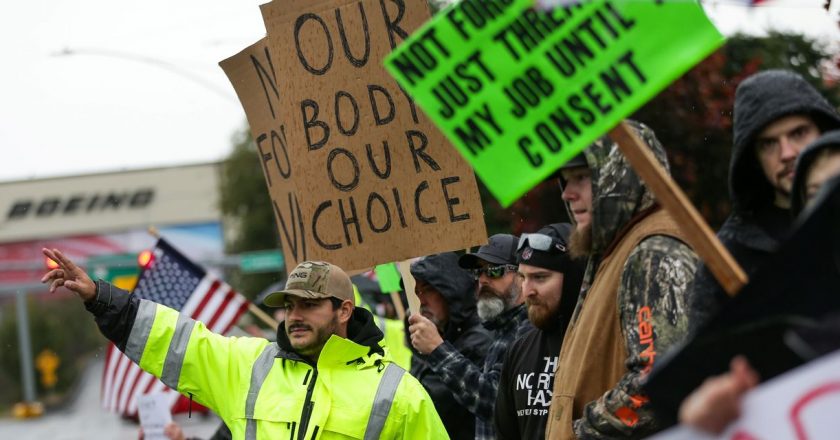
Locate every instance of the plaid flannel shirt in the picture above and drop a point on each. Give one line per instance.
(475, 386)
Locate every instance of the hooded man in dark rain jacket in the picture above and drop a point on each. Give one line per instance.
(777, 113)
(502, 311)
(633, 305)
(448, 309)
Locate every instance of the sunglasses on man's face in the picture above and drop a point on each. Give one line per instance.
(541, 242)
(494, 272)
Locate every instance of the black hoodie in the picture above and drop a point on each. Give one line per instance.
(463, 330)
(756, 226)
(759, 101)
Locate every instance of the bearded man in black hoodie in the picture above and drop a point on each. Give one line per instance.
(550, 283)
(777, 113)
(447, 313)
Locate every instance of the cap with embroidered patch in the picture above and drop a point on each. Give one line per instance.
(314, 279)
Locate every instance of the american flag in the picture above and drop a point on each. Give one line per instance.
(173, 280)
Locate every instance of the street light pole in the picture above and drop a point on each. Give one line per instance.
(171, 68)
(25, 348)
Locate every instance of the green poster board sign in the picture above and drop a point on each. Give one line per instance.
(520, 92)
(389, 277)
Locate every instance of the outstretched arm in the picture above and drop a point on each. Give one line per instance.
(171, 346)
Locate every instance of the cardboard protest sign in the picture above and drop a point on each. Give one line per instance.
(520, 92)
(253, 74)
(371, 179)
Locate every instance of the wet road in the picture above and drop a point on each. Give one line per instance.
(84, 418)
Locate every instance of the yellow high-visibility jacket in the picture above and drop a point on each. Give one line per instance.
(394, 341)
(265, 391)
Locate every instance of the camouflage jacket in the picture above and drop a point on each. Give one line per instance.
(657, 275)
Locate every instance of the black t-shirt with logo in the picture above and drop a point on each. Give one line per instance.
(526, 384)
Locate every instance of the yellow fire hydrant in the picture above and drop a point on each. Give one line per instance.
(47, 363)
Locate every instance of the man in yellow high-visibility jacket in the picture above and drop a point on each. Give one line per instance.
(326, 377)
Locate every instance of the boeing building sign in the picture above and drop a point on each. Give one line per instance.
(97, 202)
(101, 203)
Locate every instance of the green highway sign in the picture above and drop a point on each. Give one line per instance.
(112, 265)
(261, 261)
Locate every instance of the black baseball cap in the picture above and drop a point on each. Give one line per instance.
(500, 249)
(547, 248)
(578, 161)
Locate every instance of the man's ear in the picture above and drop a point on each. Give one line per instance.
(345, 311)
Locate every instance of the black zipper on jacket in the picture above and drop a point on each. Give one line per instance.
(307, 406)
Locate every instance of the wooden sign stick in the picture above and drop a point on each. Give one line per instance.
(700, 237)
(398, 304)
(408, 283)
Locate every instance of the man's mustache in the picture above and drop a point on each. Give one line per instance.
(788, 169)
(294, 327)
(534, 302)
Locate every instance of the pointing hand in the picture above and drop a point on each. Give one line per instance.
(68, 275)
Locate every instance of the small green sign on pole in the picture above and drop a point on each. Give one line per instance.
(261, 261)
(520, 92)
(111, 267)
(389, 277)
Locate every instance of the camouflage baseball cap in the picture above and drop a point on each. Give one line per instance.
(314, 279)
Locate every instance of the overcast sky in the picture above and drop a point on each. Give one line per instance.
(141, 86)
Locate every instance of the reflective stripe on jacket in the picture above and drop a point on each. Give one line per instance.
(264, 392)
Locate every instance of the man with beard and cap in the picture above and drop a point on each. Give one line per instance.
(777, 113)
(550, 281)
(633, 302)
(447, 313)
(326, 377)
(502, 312)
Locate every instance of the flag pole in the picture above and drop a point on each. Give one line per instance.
(271, 322)
(253, 308)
